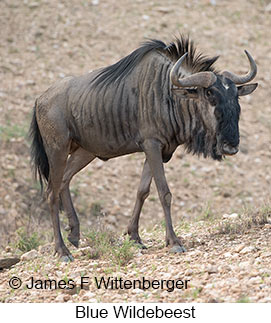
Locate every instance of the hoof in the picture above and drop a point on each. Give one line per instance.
(68, 258)
(140, 245)
(177, 249)
(74, 242)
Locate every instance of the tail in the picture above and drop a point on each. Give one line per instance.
(39, 159)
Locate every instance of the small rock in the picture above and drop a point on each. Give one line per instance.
(244, 264)
(71, 291)
(111, 219)
(209, 286)
(138, 254)
(99, 164)
(46, 249)
(33, 5)
(60, 298)
(82, 292)
(163, 9)
(92, 300)
(268, 8)
(32, 254)
(226, 194)
(258, 260)
(239, 248)
(211, 269)
(255, 280)
(88, 296)
(230, 216)
(85, 251)
(235, 256)
(188, 272)
(30, 82)
(253, 273)
(66, 298)
(265, 300)
(146, 17)
(227, 254)
(266, 254)
(248, 250)
(138, 291)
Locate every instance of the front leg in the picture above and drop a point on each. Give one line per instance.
(153, 151)
(142, 194)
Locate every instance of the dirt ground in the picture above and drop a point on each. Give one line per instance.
(43, 41)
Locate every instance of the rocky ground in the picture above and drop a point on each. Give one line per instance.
(226, 261)
(42, 41)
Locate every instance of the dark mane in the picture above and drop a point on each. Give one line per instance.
(196, 61)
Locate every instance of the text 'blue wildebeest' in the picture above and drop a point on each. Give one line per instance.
(151, 101)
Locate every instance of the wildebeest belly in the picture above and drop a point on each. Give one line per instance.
(104, 146)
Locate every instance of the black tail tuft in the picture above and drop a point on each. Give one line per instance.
(39, 158)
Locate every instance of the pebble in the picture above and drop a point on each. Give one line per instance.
(60, 298)
(239, 248)
(253, 273)
(47, 248)
(88, 295)
(266, 254)
(146, 17)
(138, 291)
(33, 5)
(163, 9)
(227, 254)
(85, 251)
(32, 254)
(188, 272)
(209, 286)
(248, 249)
(211, 269)
(255, 280)
(71, 291)
(230, 216)
(67, 298)
(244, 264)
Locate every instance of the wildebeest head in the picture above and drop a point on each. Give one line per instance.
(219, 110)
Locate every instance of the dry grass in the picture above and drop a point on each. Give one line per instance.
(248, 220)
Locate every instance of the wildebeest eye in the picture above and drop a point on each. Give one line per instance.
(209, 93)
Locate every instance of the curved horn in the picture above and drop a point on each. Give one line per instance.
(237, 79)
(202, 79)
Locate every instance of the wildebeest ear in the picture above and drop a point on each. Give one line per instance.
(246, 89)
(186, 93)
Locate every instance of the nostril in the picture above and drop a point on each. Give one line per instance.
(229, 149)
(225, 144)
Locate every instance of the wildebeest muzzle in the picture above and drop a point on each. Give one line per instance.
(227, 149)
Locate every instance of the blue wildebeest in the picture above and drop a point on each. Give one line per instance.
(151, 101)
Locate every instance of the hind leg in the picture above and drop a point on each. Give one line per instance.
(77, 161)
(57, 158)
